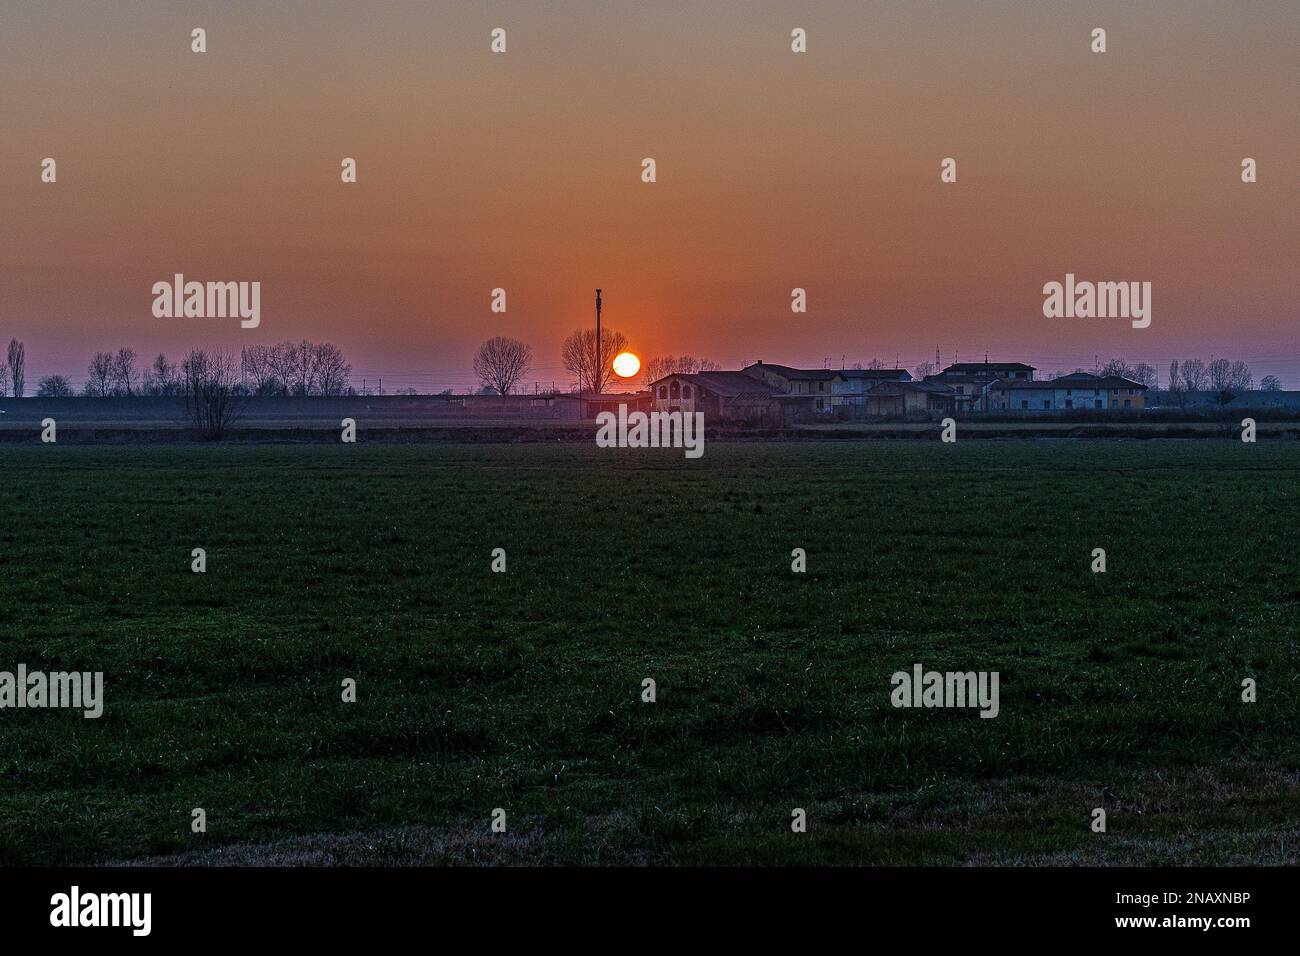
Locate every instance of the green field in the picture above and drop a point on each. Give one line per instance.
(522, 690)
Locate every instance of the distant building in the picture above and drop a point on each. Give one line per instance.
(911, 399)
(850, 385)
(1001, 371)
(731, 396)
(828, 387)
(1079, 390)
(817, 382)
(972, 390)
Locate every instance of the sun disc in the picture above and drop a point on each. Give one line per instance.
(626, 365)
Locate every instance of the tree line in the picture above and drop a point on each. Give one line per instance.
(289, 368)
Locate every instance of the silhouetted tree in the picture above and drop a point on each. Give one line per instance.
(501, 362)
(17, 364)
(54, 386)
(579, 355)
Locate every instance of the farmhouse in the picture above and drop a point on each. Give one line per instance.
(911, 399)
(815, 382)
(730, 396)
(1009, 371)
(830, 388)
(1078, 390)
(850, 385)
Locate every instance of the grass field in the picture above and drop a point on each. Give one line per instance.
(522, 690)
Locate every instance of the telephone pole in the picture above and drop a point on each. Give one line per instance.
(596, 367)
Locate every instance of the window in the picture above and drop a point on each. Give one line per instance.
(1069, 403)
(1127, 403)
(1047, 403)
(686, 391)
(663, 391)
(675, 390)
(1024, 403)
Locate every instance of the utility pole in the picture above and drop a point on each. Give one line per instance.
(598, 363)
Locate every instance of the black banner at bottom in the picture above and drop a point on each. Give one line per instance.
(334, 906)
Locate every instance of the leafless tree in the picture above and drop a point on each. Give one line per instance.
(1270, 383)
(579, 355)
(161, 378)
(330, 370)
(282, 359)
(211, 400)
(100, 371)
(1116, 367)
(1194, 376)
(124, 374)
(1219, 373)
(659, 366)
(1144, 374)
(17, 361)
(1240, 378)
(501, 362)
(4, 380)
(924, 369)
(54, 386)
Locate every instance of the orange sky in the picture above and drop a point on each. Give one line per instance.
(775, 170)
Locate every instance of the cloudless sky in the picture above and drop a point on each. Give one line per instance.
(775, 170)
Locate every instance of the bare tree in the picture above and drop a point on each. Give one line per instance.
(1144, 374)
(304, 367)
(1116, 367)
(1194, 376)
(1240, 378)
(161, 378)
(282, 359)
(4, 380)
(659, 366)
(330, 370)
(1220, 373)
(54, 386)
(580, 358)
(211, 400)
(924, 369)
(124, 374)
(100, 371)
(17, 361)
(501, 362)
(260, 370)
(1270, 383)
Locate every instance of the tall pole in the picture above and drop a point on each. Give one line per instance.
(598, 366)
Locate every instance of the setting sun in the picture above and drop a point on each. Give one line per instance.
(626, 365)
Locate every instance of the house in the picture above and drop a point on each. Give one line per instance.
(972, 390)
(828, 387)
(815, 382)
(730, 396)
(1078, 390)
(850, 385)
(1001, 371)
(911, 399)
